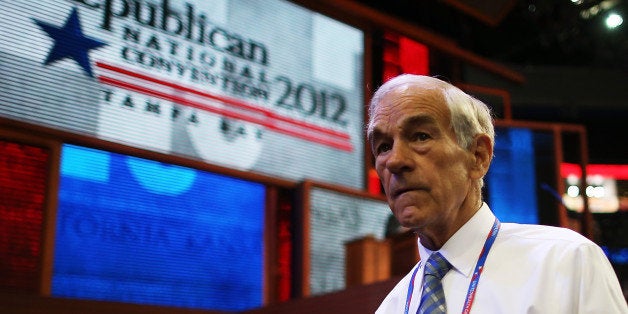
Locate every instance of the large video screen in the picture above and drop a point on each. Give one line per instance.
(255, 85)
(139, 231)
(335, 219)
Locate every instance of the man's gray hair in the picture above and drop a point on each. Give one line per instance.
(469, 116)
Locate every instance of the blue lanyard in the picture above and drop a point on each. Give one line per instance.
(411, 288)
(475, 279)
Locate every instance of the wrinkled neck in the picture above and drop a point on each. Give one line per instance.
(433, 237)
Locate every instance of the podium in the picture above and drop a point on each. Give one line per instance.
(370, 260)
(367, 261)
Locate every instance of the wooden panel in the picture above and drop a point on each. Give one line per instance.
(490, 12)
(367, 261)
(30, 304)
(354, 300)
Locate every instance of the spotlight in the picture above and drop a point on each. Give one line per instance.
(613, 20)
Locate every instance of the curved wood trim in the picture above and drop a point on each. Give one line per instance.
(371, 19)
(185, 161)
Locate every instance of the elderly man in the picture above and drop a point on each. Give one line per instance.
(433, 144)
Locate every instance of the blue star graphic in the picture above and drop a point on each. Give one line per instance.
(69, 42)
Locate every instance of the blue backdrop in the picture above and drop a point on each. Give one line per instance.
(139, 231)
(511, 180)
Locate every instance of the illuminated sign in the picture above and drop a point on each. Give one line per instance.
(266, 86)
(138, 231)
(602, 189)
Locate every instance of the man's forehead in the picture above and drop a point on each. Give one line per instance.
(405, 98)
(408, 95)
(400, 106)
(412, 120)
(407, 116)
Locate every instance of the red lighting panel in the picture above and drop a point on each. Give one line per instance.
(22, 188)
(404, 55)
(617, 172)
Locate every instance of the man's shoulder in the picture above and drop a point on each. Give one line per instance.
(529, 234)
(547, 250)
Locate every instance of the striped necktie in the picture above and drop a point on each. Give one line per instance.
(433, 298)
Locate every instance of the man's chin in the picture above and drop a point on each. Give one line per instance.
(407, 216)
(412, 221)
(408, 222)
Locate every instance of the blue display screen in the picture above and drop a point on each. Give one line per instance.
(511, 180)
(139, 231)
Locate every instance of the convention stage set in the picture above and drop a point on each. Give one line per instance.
(210, 156)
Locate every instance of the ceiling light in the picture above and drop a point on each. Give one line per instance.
(613, 20)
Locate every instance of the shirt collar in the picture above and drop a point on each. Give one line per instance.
(463, 248)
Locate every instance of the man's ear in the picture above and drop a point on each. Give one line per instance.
(482, 150)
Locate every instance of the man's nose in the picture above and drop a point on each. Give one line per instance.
(399, 159)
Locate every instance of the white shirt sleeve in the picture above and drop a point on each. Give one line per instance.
(598, 288)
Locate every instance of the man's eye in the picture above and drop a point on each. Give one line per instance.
(420, 136)
(381, 148)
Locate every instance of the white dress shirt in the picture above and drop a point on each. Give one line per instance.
(529, 269)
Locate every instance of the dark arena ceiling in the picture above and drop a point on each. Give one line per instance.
(561, 37)
(527, 32)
